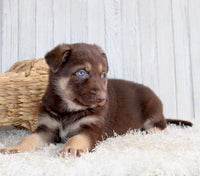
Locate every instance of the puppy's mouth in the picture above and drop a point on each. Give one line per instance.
(80, 103)
(90, 102)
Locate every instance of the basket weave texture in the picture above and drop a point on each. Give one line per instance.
(21, 90)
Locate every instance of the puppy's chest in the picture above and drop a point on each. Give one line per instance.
(69, 125)
(72, 123)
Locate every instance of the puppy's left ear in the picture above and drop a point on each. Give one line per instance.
(56, 57)
(103, 54)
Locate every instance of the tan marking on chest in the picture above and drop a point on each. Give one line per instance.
(49, 122)
(77, 125)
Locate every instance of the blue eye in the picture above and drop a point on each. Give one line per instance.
(103, 75)
(81, 73)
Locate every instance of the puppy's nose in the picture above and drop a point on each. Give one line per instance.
(100, 98)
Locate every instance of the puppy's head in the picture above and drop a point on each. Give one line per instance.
(78, 73)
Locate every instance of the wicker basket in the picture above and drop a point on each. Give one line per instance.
(21, 89)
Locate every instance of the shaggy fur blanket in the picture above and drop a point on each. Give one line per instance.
(173, 151)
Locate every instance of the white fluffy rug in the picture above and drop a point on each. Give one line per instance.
(174, 151)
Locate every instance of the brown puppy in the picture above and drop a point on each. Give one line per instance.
(81, 106)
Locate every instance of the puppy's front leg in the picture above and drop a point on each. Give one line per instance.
(44, 134)
(29, 143)
(77, 145)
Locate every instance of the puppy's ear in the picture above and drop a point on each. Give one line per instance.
(100, 49)
(56, 57)
(102, 53)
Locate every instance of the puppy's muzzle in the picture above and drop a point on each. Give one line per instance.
(95, 98)
(100, 98)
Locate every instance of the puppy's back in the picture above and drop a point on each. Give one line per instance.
(130, 104)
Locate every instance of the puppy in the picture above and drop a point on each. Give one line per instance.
(81, 106)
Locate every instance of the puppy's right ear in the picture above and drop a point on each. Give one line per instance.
(56, 57)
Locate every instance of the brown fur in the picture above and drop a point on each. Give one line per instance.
(81, 106)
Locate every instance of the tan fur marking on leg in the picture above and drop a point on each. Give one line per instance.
(29, 143)
(153, 130)
(76, 145)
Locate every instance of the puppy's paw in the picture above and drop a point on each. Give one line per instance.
(76, 146)
(71, 152)
(9, 150)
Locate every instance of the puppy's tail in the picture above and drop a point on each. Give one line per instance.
(179, 122)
